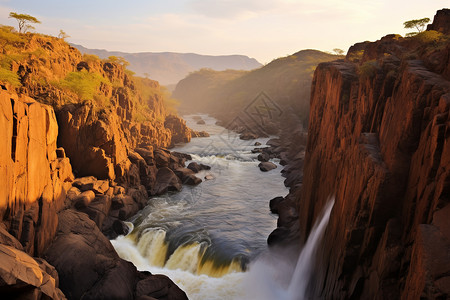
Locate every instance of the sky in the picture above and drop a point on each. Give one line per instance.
(261, 29)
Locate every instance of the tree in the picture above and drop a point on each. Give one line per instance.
(119, 59)
(417, 24)
(63, 35)
(338, 51)
(24, 20)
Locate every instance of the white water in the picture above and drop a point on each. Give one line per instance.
(223, 220)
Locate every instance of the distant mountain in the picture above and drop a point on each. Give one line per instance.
(169, 67)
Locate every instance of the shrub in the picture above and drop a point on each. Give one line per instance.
(90, 58)
(368, 69)
(9, 76)
(430, 36)
(83, 83)
(8, 36)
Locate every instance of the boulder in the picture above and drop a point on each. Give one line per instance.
(90, 268)
(84, 199)
(166, 181)
(196, 134)
(263, 156)
(201, 122)
(22, 277)
(257, 144)
(159, 287)
(274, 204)
(146, 154)
(267, 166)
(162, 157)
(209, 177)
(248, 136)
(196, 167)
(187, 176)
(82, 181)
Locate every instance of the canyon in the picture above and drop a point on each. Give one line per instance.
(378, 142)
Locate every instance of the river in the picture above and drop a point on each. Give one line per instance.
(210, 239)
(204, 236)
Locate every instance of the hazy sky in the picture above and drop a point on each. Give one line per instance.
(263, 29)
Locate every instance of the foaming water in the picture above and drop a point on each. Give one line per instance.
(274, 277)
(207, 238)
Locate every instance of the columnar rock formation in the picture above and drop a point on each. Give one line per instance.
(379, 141)
(33, 176)
(45, 211)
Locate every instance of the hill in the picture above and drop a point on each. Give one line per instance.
(285, 83)
(169, 67)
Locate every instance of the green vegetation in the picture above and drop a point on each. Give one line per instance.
(118, 60)
(24, 21)
(368, 69)
(286, 81)
(418, 24)
(9, 76)
(148, 91)
(430, 36)
(84, 84)
(90, 58)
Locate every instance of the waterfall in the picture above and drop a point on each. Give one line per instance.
(302, 274)
(269, 277)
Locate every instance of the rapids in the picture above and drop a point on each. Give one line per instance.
(207, 237)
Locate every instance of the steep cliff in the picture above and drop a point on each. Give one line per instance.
(379, 141)
(111, 125)
(34, 178)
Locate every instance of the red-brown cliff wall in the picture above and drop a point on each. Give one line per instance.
(379, 141)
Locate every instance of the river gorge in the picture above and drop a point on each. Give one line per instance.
(204, 237)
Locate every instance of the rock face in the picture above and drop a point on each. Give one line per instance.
(379, 142)
(34, 180)
(112, 149)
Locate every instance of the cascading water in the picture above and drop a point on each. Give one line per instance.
(302, 274)
(206, 236)
(278, 276)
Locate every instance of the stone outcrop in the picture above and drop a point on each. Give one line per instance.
(378, 140)
(91, 269)
(22, 277)
(34, 179)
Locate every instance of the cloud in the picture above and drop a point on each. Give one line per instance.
(231, 9)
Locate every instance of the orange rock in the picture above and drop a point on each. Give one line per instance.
(30, 172)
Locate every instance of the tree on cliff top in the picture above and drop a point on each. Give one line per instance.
(417, 24)
(24, 20)
(63, 35)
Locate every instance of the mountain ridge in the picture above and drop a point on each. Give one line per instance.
(170, 67)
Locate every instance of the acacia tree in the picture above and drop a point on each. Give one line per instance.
(24, 20)
(417, 24)
(63, 35)
(338, 51)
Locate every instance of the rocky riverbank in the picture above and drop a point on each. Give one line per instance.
(71, 173)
